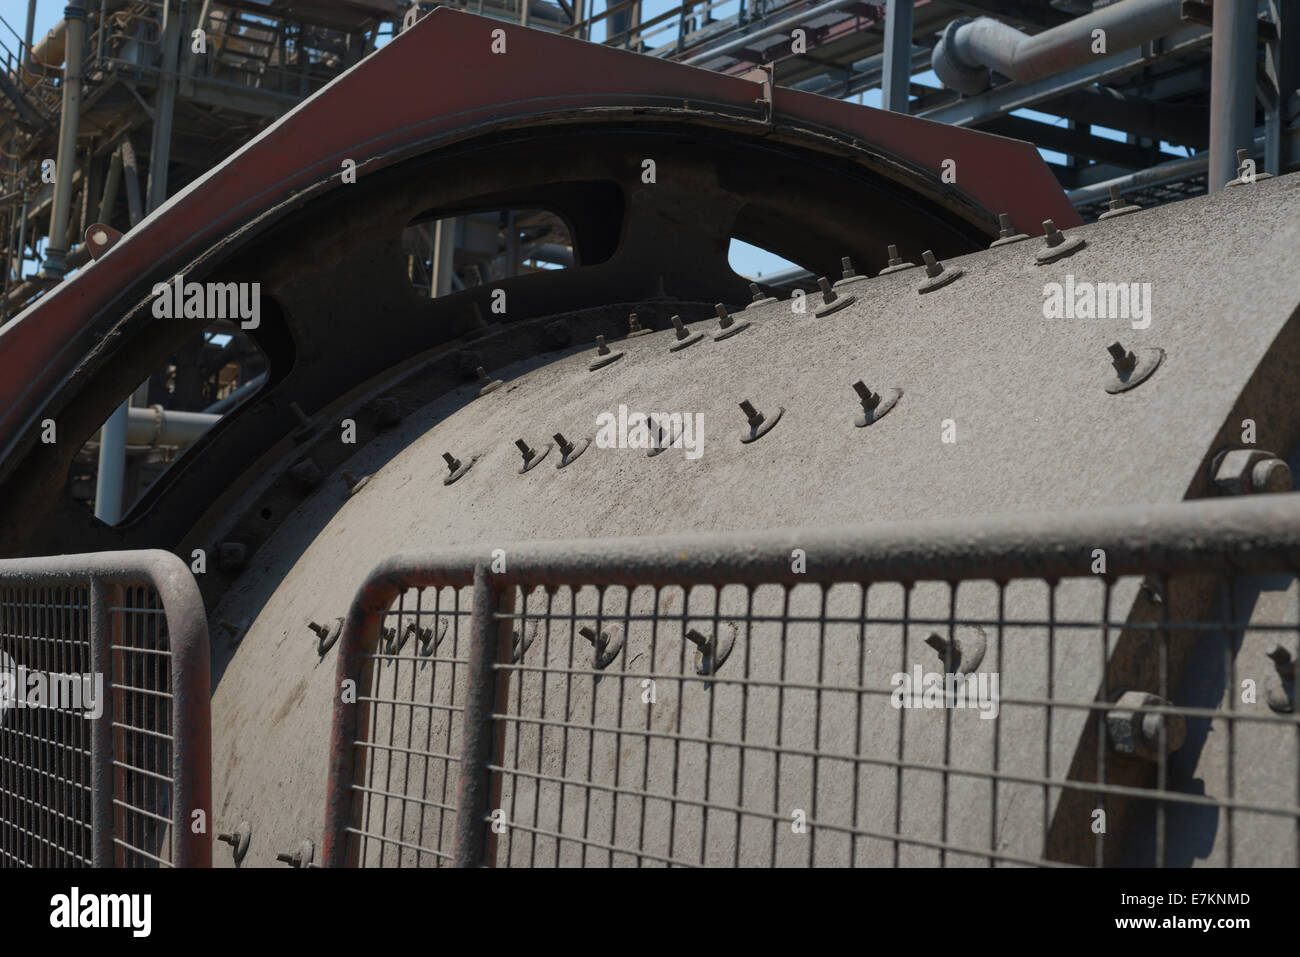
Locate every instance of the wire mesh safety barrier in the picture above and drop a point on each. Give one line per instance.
(105, 754)
(1098, 689)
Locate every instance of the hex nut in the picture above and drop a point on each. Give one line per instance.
(1245, 471)
(1132, 730)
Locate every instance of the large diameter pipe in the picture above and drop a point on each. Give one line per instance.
(155, 426)
(1232, 88)
(969, 49)
(75, 17)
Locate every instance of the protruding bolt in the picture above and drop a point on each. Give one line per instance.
(831, 300)
(940, 644)
(724, 320)
(681, 329)
(896, 263)
(486, 383)
(1280, 689)
(326, 635)
(1005, 229)
(563, 444)
(869, 399)
(299, 414)
(659, 439)
(1282, 660)
(234, 632)
(353, 483)
(713, 651)
(238, 841)
(1122, 359)
(759, 424)
(846, 268)
(527, 452)
(1242, 471)
(607, 645)
(1135, 730)
(936, 276)
(963, 653)
(875, 405)
(390, 639)
(1242, 156)
(634, 327)
(1117, 206)
(301, 857)
(456, 469)
(755, 293)
(1054, 236)
(601, 348)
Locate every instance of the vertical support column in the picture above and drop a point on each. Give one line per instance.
(131, 172)
(101, 741)
(26, 59)
(484, 740)
(112, 466)
(1232, 89)
(1282, 68)
(112, 182)
(512, 245)
(70, 119)
(444, 257)
(897, 73)
(160, 147)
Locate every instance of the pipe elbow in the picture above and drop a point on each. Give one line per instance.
(952, 64)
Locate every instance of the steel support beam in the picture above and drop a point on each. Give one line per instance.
(443, 266)
(164, 107)
(898, 56)
(1014, 96)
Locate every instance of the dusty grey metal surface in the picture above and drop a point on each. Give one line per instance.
(819, 662)
(1035, 431)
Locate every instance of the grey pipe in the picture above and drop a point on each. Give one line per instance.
(112, 467)
(1170, 172)
(155, 426)
(221, 406)
(55, 254)
(1232, 88)
(969, 49)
